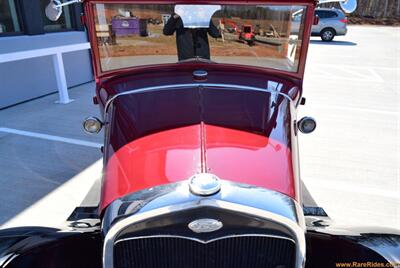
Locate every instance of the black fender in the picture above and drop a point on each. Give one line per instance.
(337, 246)
(49, 247)
(327, 246)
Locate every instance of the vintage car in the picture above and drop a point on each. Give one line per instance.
(201, 162)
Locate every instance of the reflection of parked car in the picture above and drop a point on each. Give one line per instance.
(332, 22)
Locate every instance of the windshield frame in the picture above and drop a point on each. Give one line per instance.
(99, 73)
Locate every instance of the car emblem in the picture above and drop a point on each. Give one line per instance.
(205, 225)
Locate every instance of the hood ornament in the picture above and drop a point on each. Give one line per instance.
(204, 184)
(205, 225)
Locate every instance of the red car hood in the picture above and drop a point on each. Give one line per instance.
(177, 154)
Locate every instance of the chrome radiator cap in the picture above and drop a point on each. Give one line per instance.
(204, 184)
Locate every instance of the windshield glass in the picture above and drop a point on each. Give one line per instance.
(131, 35)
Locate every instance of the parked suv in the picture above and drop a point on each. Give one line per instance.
(332, 22)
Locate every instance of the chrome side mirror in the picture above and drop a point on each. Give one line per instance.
(307, 125)
(53, 10)
(205, 12)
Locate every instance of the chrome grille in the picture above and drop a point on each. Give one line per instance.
(253, 251)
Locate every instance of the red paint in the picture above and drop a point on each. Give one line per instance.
(249, 158)
(175, 155)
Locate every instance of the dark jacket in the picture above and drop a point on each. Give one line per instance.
(191, 43)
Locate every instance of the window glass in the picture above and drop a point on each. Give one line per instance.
(331, 14)
(264, 35)
(9, 22)
(320, 14)
(63, 23)
(326, 14)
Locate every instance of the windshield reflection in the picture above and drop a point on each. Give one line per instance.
(191, 42)
(135, 35)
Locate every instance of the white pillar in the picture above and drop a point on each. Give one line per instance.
(60, 78)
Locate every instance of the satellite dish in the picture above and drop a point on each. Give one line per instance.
(53, 10)
(349, 6)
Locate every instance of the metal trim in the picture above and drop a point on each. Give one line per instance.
(94, 119)
(298, 232)
(204, 241)
(183, 195)
(7, 259)
(182, 86)
(301, 121)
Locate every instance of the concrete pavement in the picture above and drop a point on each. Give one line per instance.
(350, 164)
(46, 168)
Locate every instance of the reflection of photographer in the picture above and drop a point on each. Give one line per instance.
(191, 42)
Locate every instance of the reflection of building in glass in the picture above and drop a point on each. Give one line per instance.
(9, 21)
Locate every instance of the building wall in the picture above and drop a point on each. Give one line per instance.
(24, 26)
(26, 79)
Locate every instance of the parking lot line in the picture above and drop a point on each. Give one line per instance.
(50, 137)
(340, 186)
(355, 109)
(357, 68)
(350, 73)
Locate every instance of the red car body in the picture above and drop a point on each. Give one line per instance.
(201, 161)
(199, 147)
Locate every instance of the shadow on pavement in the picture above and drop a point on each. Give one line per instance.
(31, 169)
(333, 43)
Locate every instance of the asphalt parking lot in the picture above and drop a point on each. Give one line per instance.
(350, 164)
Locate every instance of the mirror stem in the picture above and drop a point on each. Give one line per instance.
(68, 3)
